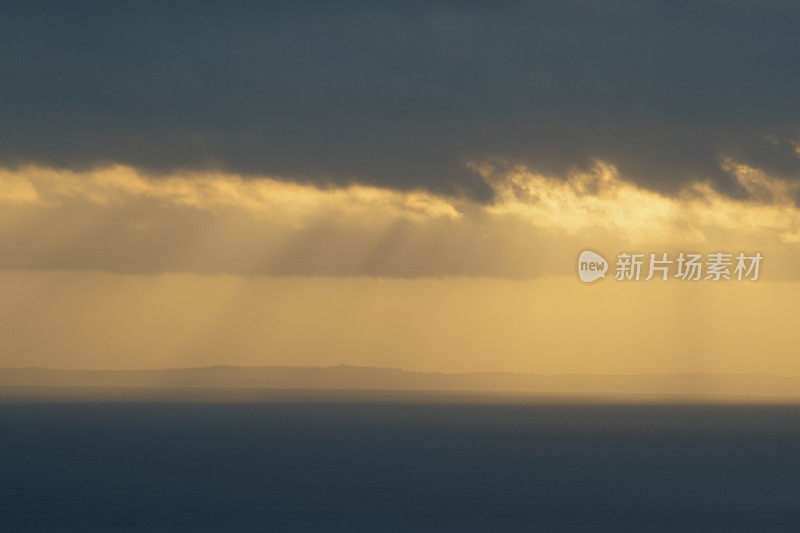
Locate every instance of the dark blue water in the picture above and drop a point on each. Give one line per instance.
(353, 463)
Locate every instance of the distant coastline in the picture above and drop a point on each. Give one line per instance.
(392, 379)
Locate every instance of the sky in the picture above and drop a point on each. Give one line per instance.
(397, 184)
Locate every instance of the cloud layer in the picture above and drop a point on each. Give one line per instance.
(120, 219)
(400, 95)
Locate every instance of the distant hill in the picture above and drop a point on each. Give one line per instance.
(371, 378)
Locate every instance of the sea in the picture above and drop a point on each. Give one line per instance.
(288, 460)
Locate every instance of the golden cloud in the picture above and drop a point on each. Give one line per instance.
(601, 199)
(263, 197)
(121, 218)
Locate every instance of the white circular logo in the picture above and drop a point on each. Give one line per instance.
(591, 266)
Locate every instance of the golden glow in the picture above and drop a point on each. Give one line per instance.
(263, 197)
(601, 199)
(111, 268)
(549, 325)
(582, 201)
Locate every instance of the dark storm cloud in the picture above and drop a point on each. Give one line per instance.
(401, 95)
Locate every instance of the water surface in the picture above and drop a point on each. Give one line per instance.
(311, 461)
